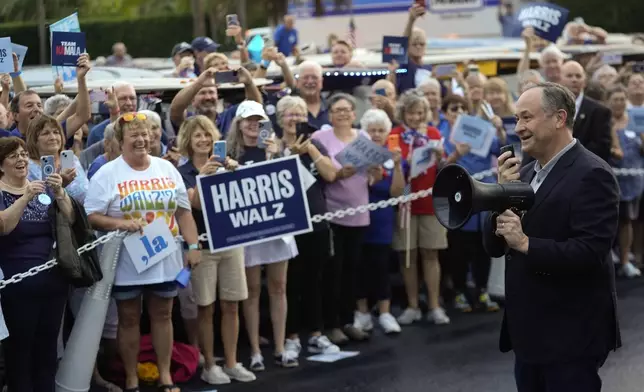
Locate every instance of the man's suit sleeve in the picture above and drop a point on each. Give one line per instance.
(593, 221)
(600, 140)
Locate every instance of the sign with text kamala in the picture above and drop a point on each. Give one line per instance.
(66, 48)
(254, 204)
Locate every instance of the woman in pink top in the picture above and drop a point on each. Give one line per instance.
(350, 189)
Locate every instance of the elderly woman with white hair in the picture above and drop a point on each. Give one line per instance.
(305, 288)
(374, 265)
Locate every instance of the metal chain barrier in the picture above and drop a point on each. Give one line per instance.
(316, 218)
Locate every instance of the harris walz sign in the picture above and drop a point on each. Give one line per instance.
(254, 204)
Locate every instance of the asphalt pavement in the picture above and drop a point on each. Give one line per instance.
(461, 357)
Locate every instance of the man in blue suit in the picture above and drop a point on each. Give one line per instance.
(560, 317)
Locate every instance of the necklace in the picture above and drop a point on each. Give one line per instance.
(12, 189)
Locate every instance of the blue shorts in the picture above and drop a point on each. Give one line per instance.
(163, 290)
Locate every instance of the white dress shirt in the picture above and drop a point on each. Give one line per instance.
(578, 100)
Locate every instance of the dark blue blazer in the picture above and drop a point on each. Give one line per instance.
(560, 296)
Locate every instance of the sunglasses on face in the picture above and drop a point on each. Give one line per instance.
(455, 109)
(129, 117)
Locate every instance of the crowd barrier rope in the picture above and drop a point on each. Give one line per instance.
(316, 218)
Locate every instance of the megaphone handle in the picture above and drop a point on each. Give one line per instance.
(492, 218)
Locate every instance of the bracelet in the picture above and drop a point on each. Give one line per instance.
(318, 159)
(15, 74)
(193, 247)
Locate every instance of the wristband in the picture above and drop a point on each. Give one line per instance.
(15, 74)
(193, 247)
(265, 64)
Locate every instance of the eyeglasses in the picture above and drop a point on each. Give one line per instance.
(342, 110)
(455, 109)
(15, 156)
(128, 117)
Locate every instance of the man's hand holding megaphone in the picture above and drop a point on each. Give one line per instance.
(508, 224)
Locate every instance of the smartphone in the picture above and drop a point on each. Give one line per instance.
(226, 77)
(510, 148)
(232, 20)
(305, 129)
(97, 96)
(47, 166)
(265, 131)
(219, 150)
(444, 70)
(67, 160)
(381, 91)
(393, 142)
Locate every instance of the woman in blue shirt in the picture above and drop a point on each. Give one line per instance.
(386, 183)
(466, 244)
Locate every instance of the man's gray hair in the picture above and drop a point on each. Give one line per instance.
(555, 97)
(55, 103)
(109, 132)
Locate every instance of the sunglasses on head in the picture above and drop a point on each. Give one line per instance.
(128, 117)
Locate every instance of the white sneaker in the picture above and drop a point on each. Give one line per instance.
(202, 360)
(362, 321)
(215, 376)
(322, 345)
(294, 346)
(438, 317)
(388, 323)
(240, 373)
(410, 316)
(630, 271)
(257, 363)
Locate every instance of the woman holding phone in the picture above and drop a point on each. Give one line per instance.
(305, 289)
(248, 146)
(222, 272)
(45, 138)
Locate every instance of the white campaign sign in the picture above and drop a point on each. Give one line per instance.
(423, 158)
(6, 58)
(149, 248)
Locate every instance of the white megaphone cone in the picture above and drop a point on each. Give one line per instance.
(77, 366)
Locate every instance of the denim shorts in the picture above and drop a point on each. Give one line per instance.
(163, 290)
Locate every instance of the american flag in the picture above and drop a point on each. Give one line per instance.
(352, 33)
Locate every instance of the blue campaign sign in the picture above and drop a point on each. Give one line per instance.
(547, 19)
(509, 124)
(66, 48)
(394, 48)
(254, 204)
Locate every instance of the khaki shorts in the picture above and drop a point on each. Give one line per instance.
(225, 269)
(425, 233)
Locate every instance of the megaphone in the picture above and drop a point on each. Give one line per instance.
(457, 196)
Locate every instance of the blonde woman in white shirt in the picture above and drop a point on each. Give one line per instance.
(129, 193)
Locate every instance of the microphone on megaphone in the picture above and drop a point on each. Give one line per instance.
(457, 196)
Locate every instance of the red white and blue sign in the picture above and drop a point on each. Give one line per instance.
(66, 48)
(394, 48)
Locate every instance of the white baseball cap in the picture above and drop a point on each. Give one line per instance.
(250, 108)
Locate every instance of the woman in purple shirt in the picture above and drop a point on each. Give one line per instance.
(350, 189)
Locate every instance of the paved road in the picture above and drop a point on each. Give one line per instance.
(462, 357)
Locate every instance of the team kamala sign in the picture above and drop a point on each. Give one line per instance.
(66, 48)
(254, 204)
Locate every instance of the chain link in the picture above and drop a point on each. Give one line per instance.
(316, 218)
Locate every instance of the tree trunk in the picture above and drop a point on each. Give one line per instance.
(198, 20)
(42, 32)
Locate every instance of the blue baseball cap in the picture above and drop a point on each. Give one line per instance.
(204, 44)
